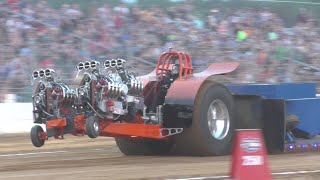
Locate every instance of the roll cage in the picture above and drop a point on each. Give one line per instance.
(167, 58)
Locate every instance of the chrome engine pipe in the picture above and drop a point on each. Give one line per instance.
(136, 88)
(86, 65)
(35, 74)
(41, 73)
(113, 63)
(121, 62)
(80, 66)
(107, 64)
(49, 72)
(94, 64)
(114, 90)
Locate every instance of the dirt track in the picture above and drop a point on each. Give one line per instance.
(84, 158)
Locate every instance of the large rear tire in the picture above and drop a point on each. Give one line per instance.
(213, 123)
(129, 146)
(35, 136)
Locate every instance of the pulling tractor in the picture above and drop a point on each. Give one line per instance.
(170, 110)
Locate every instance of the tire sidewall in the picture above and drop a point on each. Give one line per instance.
(35, 139)
(129, 146)
(90, 127)
(214, 92)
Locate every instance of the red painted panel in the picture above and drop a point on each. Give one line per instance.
(56, 123)
(128, 129)
(184, 90)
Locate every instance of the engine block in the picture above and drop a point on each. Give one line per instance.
(51, 98)
(110, 88)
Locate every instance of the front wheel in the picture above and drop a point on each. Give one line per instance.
(92, 127)
(36, 136)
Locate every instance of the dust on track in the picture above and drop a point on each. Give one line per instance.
(85, 158)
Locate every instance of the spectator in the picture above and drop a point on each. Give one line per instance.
(38, 36)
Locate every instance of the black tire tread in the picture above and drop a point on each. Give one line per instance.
(197, 140)
(129, 146)
(35, 139)
(89, 127)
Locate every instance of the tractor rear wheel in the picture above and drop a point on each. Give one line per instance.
(35, 136)
(213, 123)
(129, 146)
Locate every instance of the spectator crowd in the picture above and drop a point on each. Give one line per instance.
(34, 36)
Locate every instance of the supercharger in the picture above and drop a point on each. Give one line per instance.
(52, 98)
(115, 91)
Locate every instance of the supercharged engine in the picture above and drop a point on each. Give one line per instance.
(52, 99)
(110, 91)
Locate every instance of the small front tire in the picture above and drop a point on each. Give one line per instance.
(35, 135)
(92, 127)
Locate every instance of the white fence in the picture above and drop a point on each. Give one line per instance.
(15, 117)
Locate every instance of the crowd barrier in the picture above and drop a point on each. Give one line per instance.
(15, 117)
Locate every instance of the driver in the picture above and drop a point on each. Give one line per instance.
(170, 76)
(164, 84)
